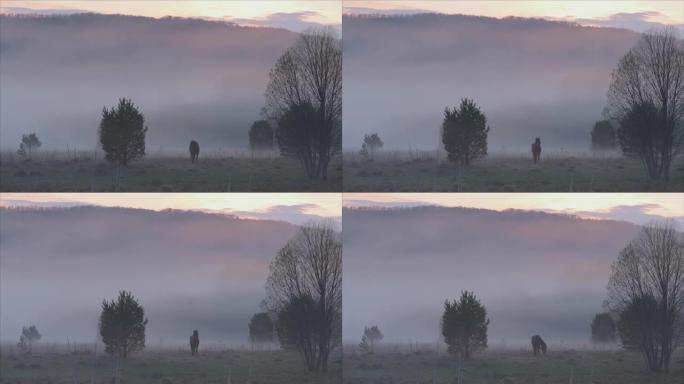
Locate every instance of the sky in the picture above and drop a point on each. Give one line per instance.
(636, 15)
(637, 208)
(294, 15)
(295, 208)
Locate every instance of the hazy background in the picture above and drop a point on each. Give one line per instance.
(531, 77)
(536, 273)
(192, 79)
(190, 270)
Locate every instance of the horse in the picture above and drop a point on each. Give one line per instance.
(536, 150)
(194, 150)
(194, 342)
(538, 345)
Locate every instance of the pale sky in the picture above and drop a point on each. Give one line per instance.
(634, 207)
(630, 13)
(327, 12)
(256, 205)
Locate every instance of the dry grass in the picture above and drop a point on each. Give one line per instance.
(214, 172)
(81, 365)
(415, 171)
(398, 365)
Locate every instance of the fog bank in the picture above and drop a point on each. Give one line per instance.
(189, 270)
(536, 273)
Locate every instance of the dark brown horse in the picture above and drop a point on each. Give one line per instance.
(194, 342)
(194, 150)
(536, 150)
(538, 345)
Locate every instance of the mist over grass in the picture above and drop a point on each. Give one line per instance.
(532, 78)
(536, 273)
(190, 270)
(192, 79)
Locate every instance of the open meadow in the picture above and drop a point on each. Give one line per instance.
(415, 171)
(235, 172)
(399, 364)
(59, 364)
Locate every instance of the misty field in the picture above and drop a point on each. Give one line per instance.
(428, 172)
(80, 365)
(398, 365)
(67, 172)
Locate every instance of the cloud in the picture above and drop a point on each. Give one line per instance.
(296, 214)
(294, 21)
(31, 11)
(383, 12)
(637, 21)
(638, 214)
(357, 203)
(16, 203)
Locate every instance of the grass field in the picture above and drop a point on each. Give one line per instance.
(80, 365)
(59, 172)
(429, 172)
(397, 365)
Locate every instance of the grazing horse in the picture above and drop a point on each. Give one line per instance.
(536, 150)
(538, 345)
(194, 150)
(194, 342)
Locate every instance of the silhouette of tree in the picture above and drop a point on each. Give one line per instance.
(647, 280)
(298, 135)
(29, 335)
(603, 328)
(638, 131)
(261, 136)
(304, 289)
(122, 325)
(261, 328)
(371, 336)
(638, 327)
(649, 81)
(309, 75)
(28, 144)
(299, 329)
(122, 132)
(603, 136)
(464, 133)
(464, 326)
(372, 142)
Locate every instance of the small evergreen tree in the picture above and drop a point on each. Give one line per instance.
(638, 327)
(261, 328)
(373, 142)
(603, 328)
(464, 133)
(371, 336)
(122, 325)
(464, 325)
(603, 136)
(298, 137)
(298, 329)
(261, 136)
(122, 132)
(640, 130)
(28, 144)
(29, 335)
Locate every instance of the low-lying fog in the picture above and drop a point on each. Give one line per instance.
(535, 273)
(189, 270)
(532, 78)
(192, 79)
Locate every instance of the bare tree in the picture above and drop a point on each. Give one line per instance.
(310, 73)
(652, 73)
(652, 267)
(306, 276)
